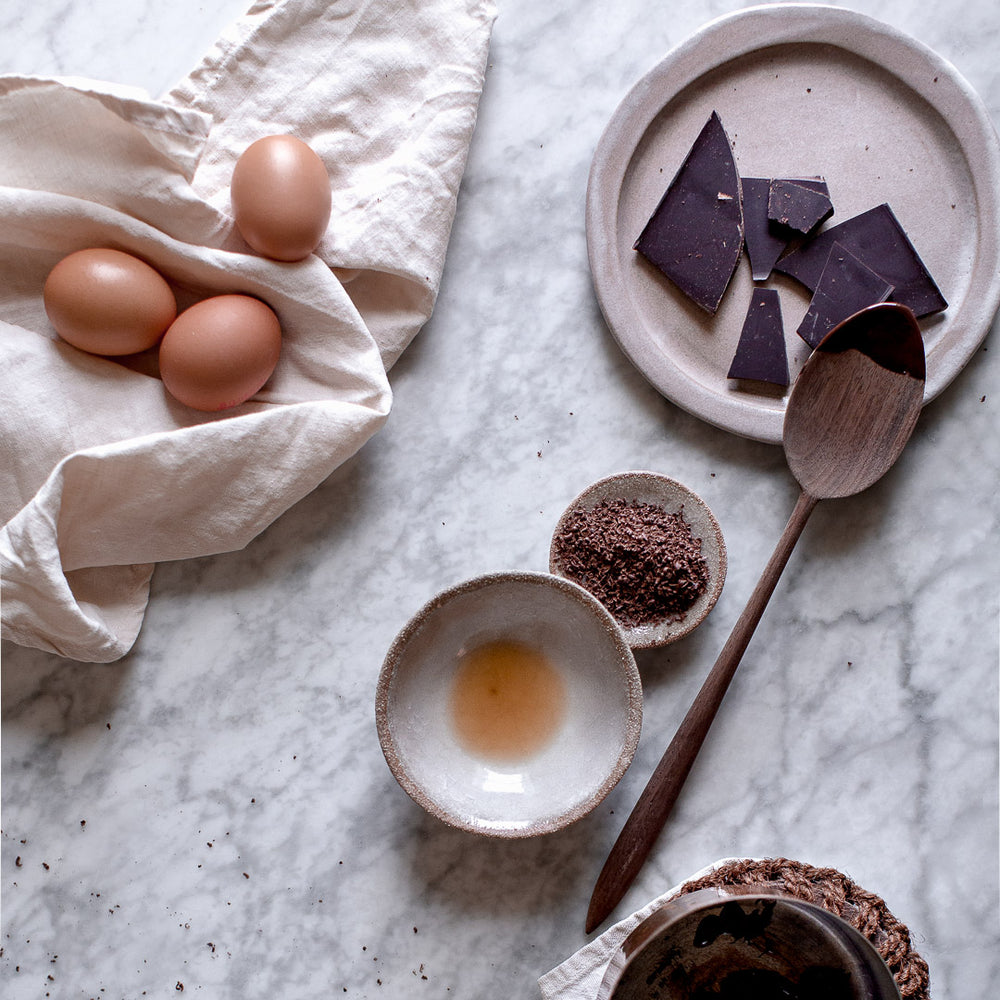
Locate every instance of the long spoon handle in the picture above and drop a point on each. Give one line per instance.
(651, 811)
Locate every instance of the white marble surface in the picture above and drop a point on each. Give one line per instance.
(214, 809)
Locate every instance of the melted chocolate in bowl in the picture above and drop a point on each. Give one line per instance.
(712, 943)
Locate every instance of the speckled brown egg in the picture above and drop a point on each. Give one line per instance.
(220, 351)
(280, 194)
(108, 302)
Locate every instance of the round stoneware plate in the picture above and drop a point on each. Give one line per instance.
(802, 90)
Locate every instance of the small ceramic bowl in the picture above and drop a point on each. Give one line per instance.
(671, 496)
(591, 731)
(722, 942)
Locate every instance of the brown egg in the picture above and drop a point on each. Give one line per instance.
(108, 302)
(220, 351)
(281, 197)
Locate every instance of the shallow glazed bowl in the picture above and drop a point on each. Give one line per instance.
(672, 496)
(721, 942)
(587, 753)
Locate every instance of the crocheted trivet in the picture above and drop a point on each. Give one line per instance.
(835, 892)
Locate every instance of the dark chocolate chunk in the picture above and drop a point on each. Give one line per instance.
(797, 205)
(695, 236)
(766, 240)
(760, 354)
(845, 286)
(877, 239)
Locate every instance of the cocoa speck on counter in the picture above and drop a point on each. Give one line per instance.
(640, 561)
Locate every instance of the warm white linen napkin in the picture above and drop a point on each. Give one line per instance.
(580, 976)
(102, 475)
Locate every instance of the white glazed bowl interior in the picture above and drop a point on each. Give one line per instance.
(587, 755)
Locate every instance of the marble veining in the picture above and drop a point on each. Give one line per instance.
(212, 814)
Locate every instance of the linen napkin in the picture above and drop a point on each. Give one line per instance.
(102, 475)
(580, 976)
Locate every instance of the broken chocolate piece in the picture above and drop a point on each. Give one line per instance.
(760, 354)
(797, 205)
(877, 239)
(764, 244)
(695, 236)
(845, 286)
(766, 240)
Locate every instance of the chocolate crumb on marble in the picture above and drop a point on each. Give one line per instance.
(641, 562)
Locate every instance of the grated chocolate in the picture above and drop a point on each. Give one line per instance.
(641, 562)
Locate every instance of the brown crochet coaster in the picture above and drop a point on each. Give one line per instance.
(835, 892)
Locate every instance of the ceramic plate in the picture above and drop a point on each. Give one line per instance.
(802, 90)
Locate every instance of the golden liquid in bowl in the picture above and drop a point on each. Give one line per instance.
(507, 700)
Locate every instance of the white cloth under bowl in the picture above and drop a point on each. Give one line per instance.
(580, 976)
(102, 475)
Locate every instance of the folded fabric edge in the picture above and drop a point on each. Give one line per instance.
(579, 977)
(94, 613)
(91, 616)
(186, 127)
(187, 91)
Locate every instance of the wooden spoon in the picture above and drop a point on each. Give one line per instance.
(849, 415)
